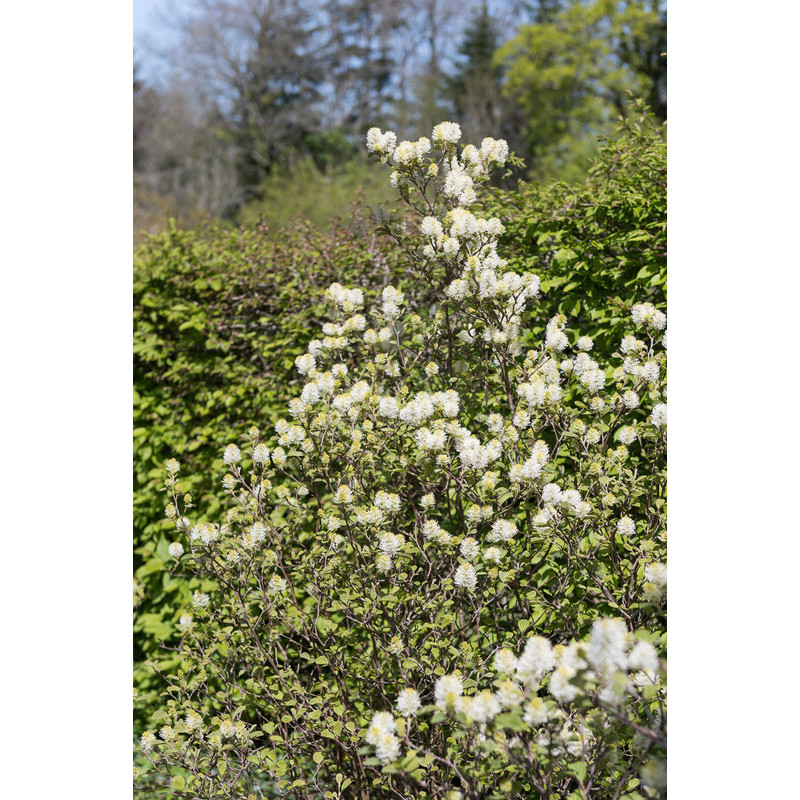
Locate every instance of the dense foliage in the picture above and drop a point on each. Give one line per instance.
(472, 471)
(597, 243)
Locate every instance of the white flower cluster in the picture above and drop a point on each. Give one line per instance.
(465, 576)
(553, 496)
(446, 133)
(646, 314)
(555, 336)
(392, 300)
(607, 666)
(347, 299)
(658, 416)
(532, 467)
(381, 734)
(381, 143)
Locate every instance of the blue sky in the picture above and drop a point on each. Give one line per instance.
(147, 20)
(144, 16)
(149, 32)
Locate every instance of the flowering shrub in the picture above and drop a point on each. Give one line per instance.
(443, 576)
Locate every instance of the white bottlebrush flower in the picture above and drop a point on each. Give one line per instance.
(627, 434)
(505, 661)
(465, 576)
(592, 436)
(370, 516)
(656, 573)
(626, 527)
(494, 151)
(582, 509)
(390, 543)
(408, 702)
(343, 496)
(658, 416)
(509, 694)
(448, 402)
(484, 707)
(381, 143)
(167, 733)
(469, 548)
(176, 549)
(388, 407)
(447, 690)
(193, 721)
(279, 456)
(652, 593)
(382, 724)
(556, 338)
(446, 133)
(305, 363)
(227, 730)
(458, 183)
(607, 645)
(276, 585)
(148, 739)
(388, 501)
(430, 440)
(232, 454)
(643, 656)
(535, 712)
(561, 686)
(502, 531)
(430, 226)
(650, 371)
(200, 599)
(493, 554)
(594, 380)
(597, 405)
(387, 748)
(186, 621)
(537, 659)
(405, 153)
(551, 493)
(310, 394)
(258, 531)
(260, 453)
(383, 563)
(646, 314)
(630, 399)
(431, 529)
(585, 343)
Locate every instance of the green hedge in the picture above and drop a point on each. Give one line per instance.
(593, 244)
(219, 317)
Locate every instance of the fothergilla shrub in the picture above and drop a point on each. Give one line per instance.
(443, 575)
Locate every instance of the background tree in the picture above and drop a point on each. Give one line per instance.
(569, 77)
(475, 85)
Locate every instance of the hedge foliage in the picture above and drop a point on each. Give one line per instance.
(219, 317)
